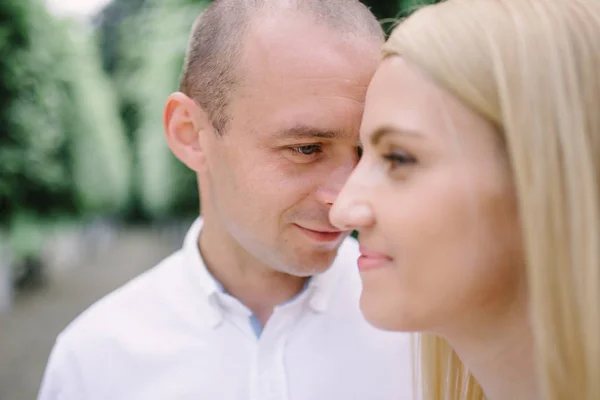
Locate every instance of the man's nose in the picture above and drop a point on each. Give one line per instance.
(333, 183)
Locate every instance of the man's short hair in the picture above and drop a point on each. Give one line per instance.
(215, 44)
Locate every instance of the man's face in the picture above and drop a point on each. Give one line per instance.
(291, 142)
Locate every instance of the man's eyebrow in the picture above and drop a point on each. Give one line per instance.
(381, 131)
(306, 132)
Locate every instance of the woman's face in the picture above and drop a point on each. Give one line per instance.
(434, 205)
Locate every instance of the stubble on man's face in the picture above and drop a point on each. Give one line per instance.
(291, 142)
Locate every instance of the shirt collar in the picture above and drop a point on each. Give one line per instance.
(320, 286)
(203, 278)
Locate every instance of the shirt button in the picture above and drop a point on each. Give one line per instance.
(273, 391)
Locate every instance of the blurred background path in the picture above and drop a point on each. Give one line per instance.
(28, 330)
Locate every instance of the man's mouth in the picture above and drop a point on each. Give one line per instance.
(321, 234)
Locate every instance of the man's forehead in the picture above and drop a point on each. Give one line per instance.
(318, 70)
(287, 44)
(298, 78)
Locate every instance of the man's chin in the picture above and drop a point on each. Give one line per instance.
(313, 262)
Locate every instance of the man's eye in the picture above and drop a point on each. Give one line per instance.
(307, 150)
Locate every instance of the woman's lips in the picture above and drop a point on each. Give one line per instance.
(370, 259)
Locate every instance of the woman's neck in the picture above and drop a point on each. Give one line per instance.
(498, 350)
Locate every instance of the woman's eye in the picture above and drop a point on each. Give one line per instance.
(307, 150)
(398, 159)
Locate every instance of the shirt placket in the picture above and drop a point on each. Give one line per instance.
(271, 377)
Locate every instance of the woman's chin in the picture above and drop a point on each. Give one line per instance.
(385, 315)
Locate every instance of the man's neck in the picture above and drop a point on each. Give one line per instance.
(255, 284)
(499, 353)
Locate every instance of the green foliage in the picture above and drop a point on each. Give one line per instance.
(147, 72)
(33, 144)
(62, 146)
(25, 237)
(409, 6)
(386, 11)
(109, 22)
(100, 151)
(118, 21)
(63, 151)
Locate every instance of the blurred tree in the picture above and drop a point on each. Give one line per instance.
(387, 11)
(166, 185)
(61, 141)
(383, 8)
(34, 157)
(150, 47)
(100, 152)
(408, 6)
(113, 23)
(62, 146)
(390, 11)
(108, 22)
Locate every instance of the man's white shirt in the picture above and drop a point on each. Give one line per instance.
(172, 334)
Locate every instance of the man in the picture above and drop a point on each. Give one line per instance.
(256, 305)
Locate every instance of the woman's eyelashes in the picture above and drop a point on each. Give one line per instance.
(398, 158)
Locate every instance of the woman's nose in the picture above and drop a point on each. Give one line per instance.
(351, 210)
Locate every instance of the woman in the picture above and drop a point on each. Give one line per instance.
(477, 199)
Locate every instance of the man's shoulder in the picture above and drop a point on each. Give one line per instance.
(131, 303)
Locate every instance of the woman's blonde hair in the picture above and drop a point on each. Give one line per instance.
(532, 67)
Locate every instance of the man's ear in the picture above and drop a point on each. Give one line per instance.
(184, 122)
